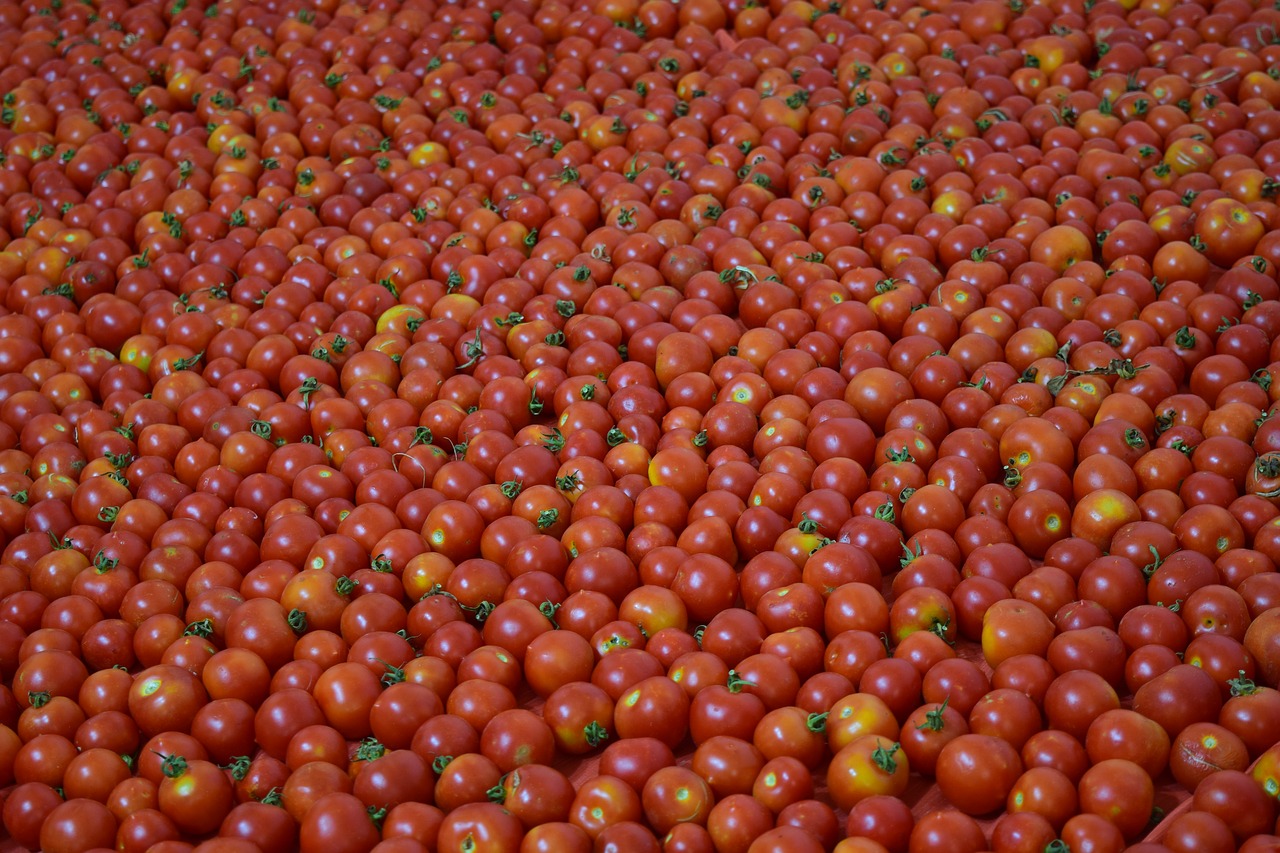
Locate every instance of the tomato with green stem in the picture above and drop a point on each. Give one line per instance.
(1248, 712)
(196, 794)
(926, 731)
(868, 766)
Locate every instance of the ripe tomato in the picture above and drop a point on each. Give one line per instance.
(165, 698)
(868, 766)
(977, 772)
(196, 795)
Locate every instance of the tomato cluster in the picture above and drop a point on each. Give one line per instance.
(712, 426)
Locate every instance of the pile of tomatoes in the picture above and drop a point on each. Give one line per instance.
(713, 426)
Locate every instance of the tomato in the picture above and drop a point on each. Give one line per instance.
(926, 731)
(1092, 832)
(674, 795)
(1266, 770)
(346, 694)
(195, 794)
(1229, 230)
(391, 778)
(1121, 733)
(656, 707)
(603, 802)
(1196, 829)
(1252, 814)
(977, 772)
(261, 823)
(1242, 711)
(338, 821)
(76, 825)
(1120, 792)
(1204, 748)
(868, 766)
(947, 829)
(1013, 628)
(26, 810)
(165, 698)
(581, 717)
(1179, 697)
(1261, 640)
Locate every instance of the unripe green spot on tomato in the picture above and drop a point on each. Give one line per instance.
(150, 686)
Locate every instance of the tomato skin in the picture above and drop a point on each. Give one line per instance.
(397, 776)
(977, 772)
(1266, 771)
(581, 715)
(25, 811)
(868, 766)
(885, 820)
(717, 710)
(282, 715)
(338, 821)
(1179, 697)
(1022, 831)
(1121, 733)
(78, 824)
(1262, 640)
(262, 824)
(1202, 749)
(1092, 832)
(549, 837)
(261, 626)
(675, 795)
(602, 802)
(416, 821)
(947, 829)
(537, 794)
(926, 731)
(736, 820)
(1234, 796)
(346, 694)
(1245, 712)
(1120, 792)
(656, 707)
(165, 698)
(196, 795)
